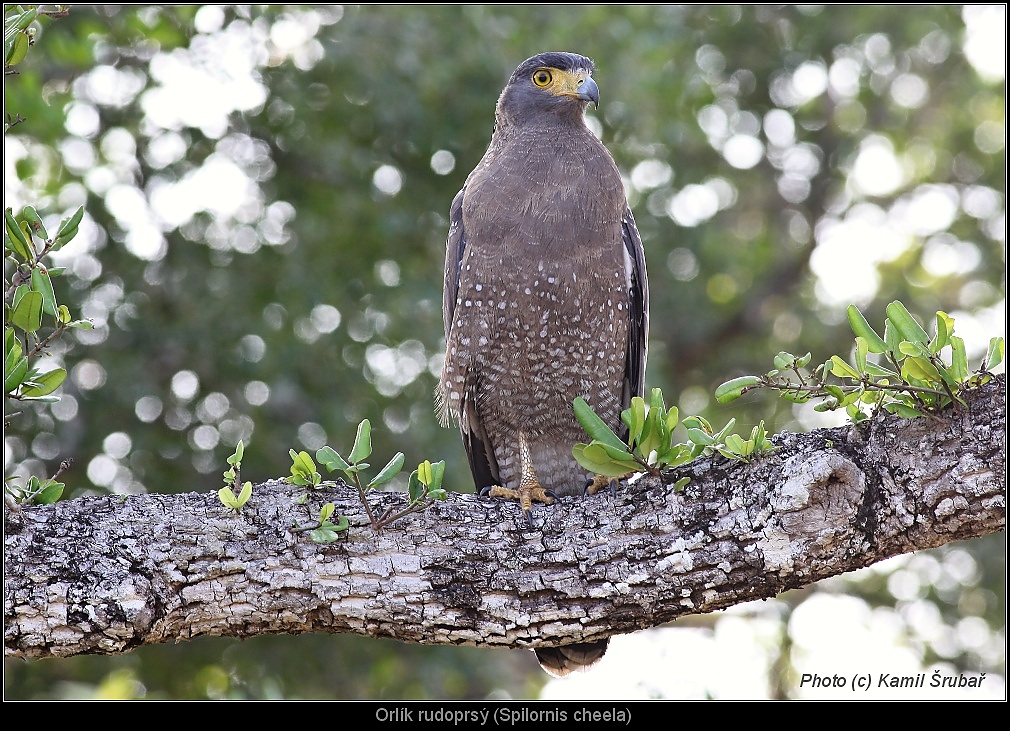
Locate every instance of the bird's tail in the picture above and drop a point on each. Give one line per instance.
(560, 661)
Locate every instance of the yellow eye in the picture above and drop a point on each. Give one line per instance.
(542, 77)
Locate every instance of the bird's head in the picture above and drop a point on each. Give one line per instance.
(552, 83)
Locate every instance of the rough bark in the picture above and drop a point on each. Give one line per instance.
(106, 574)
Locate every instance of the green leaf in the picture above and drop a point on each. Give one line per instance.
(902, 410)
(794, 395)
(387, 473)
(914, 349)
(324, 534)
(18, 50)
(437, 473)
(698, 422)
(44, 383)
(226, 496)
(15, 364)
(328, 532)
(735, 388)
(721, 436)
(672, 417)
(49, 494)
(303, 469)
(850, 398)
(362, 443)
(919, 369)
(23, 20)
(415, 488)
(236, 457)
(994, 354)
(861, 349)
(944, 329)
(842, 369)
(618, 455)
(829, 404)
(16, 238)
(594, 458)
(878, 371)
(68, 228)
(861, 328)
(948, 377)
(424, 472)
(700, 436)
(784, 360)
(26, 312)
(656, 401)
(736, 444)
(906, 324)
(653, 434)
(301, 462)
(678, 454)
(325, 512)
(634, 419)
(594, 426)
(35, 221)
(891, 336)
(333, 461)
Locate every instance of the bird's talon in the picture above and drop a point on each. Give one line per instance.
(598, 482)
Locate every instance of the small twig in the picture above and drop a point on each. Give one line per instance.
(44, 343)
(14, 504)
(364, 501)
(417, 507)
(62, 11)
(18, 119)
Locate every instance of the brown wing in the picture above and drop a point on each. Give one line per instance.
(478, 448)
(638, 325)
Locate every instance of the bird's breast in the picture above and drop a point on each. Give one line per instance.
(561, 200)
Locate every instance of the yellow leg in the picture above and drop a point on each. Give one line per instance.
(529, 489)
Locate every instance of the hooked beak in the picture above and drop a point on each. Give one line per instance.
(588, 91)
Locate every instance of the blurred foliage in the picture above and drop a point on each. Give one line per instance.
(267, 192)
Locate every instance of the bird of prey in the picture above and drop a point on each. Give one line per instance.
(546, 297)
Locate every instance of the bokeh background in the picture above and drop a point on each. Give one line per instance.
(267, 192)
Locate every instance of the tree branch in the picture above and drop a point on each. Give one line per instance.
(106, 574)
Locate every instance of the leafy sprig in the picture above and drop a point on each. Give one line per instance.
(233, 477)
(35, 491)
(905, 372)
(650, 446)
(424, 486)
